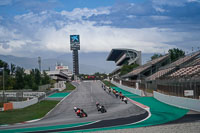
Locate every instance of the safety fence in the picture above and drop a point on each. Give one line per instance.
(184, 87)
(182, 102)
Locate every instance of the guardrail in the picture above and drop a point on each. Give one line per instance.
(129, 89)
(23, 104)
(182, 102)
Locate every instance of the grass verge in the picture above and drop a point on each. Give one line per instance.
(69, 87)
(32, 112)
(1, 104)
(109, 84)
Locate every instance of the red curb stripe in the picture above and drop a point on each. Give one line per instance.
(139, 104)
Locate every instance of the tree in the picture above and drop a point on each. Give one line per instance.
(45, 78)
(156, 56)
(127, 68)
(13, 67)
(6, 73)
(5, 66)
(29, 80)
(19, 77)
(175, 54)
(37, 77)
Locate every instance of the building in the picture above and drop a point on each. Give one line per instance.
(124, 56)
(61, 73)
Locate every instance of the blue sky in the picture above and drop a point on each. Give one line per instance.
(42, 27)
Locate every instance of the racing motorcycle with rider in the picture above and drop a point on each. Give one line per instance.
(101, 108)
(80, 112)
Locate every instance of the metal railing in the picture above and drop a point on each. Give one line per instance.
(180, 87)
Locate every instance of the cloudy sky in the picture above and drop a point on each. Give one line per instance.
(34, 28)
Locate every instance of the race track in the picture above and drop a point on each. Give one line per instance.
(85, 96)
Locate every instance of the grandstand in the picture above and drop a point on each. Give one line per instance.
(147, 69)
(191, 71)
(124, 56)
(163, 76)
(189, 60)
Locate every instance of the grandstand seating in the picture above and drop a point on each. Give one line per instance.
(187, 72)
(185, 59)
(159, 74)
(144, 67)
(194, 62)
(166, 69)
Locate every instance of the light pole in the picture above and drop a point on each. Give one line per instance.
(3, 84)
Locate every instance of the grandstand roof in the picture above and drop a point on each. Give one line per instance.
(121, 56)
(114, 54)
(146, 66)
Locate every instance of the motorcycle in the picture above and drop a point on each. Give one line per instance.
(101, 108)
(81, 113)
(125, 100)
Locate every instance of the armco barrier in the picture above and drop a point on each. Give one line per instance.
(129, 89)
(187, 103)
(23, 104)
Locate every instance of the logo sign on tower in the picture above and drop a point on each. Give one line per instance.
(75, 42)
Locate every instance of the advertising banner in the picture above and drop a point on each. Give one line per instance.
(74, 42)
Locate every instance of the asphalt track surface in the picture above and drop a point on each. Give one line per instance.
(85, 96)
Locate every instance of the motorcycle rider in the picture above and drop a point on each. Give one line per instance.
(80, 112)
(114, 91)
(109, 89)
(97, 104)
(100, 108)
(77, 111)
(120, 95)
(125, 99)
(116, 94)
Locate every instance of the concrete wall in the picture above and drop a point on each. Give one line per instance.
(187, 103)
(132, 90)
(23, 104)
(60, 86)
(19, 94)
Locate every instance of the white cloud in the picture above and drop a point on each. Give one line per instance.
(5, 51)
(170, 2)
(160, 17)
(78, 13)
(31, 17)
(193, 0)
(104, 38)
(159, 9)
(131, 16)
(47, 37)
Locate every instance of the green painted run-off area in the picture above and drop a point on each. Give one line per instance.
(58, 95)
(160, 113)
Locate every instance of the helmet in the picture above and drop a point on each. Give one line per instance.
(75, 108)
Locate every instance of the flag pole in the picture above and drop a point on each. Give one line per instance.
(3, 87)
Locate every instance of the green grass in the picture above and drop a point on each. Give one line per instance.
(149, 90)
(1, 104)
(109, 84)
(32, 112)
(69, 87)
